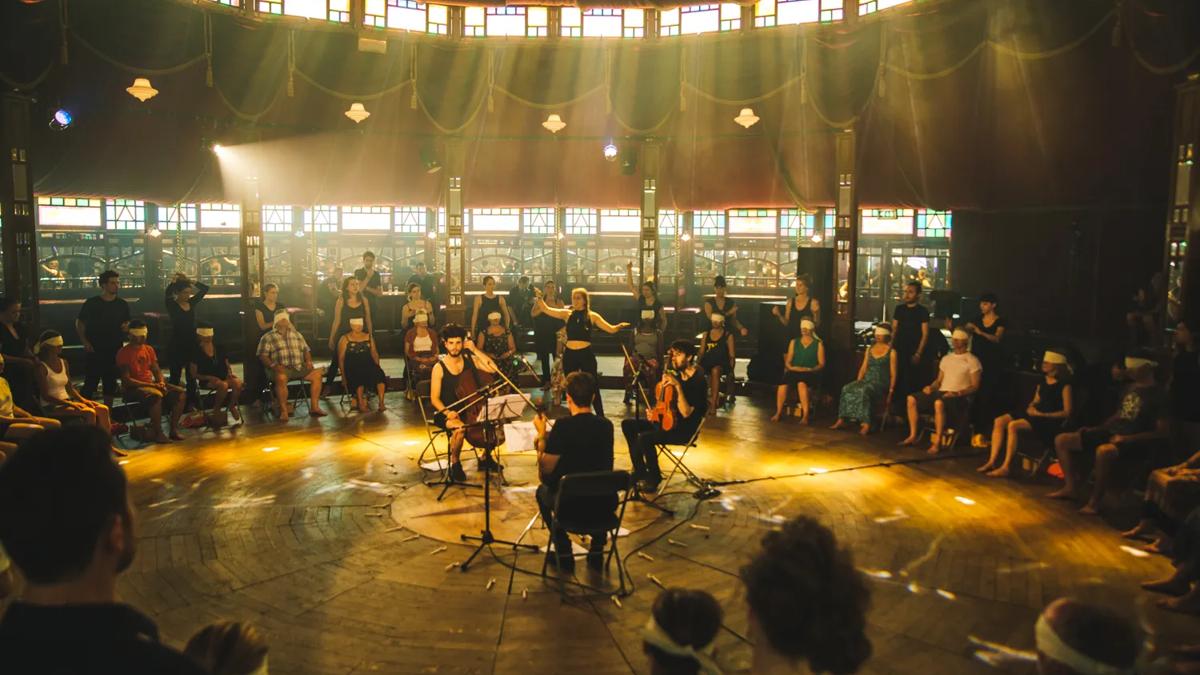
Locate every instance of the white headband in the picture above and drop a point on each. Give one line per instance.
(493, 316)
(421, 317)
(960, 334)
(807, 323)
(882, 330)
(357, 322)
(1050, 644)
(719, 318)
(1135, 362)
(1054, 357)
(647, 314)
(654, 635)
(205, 332)
(279, 316)
(139, 332)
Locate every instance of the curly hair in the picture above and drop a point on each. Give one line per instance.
(808, 598)
(691, 618)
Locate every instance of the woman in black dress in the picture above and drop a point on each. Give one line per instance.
(578, 354)
(545, 329)
(802, 306)
(210, 367)
(1046, 416)
(359, 361)
(487, 303)
(716, 357)
(351, 305)
(182, 296)
(647, 301)
(988, 331)
(728, 308)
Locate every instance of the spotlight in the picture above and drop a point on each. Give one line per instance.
(610, 151)
(299, 234)
(431, 235)
(219, 150)
(686, 236)
(817, 238)
(154, 232)
(61, 119)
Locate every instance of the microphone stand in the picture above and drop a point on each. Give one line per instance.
(637, 496)
(447, 482)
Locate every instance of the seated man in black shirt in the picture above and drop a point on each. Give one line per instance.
(66, 522)
(643, 437)
(580, 443)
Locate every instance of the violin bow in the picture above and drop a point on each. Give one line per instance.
(637, 379)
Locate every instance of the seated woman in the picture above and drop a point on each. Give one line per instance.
(1045, 416)
(359, 363)
(210, 368)
(497, 342)
(420, 350)
(876, 378)
(415, 305)
(60, 400)
(716, 358)
(1171, 493)
(16, 423)
(803, 364)
(681, 631)
(1184, 581)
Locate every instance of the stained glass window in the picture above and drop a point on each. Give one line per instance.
(785, 12)
(495, 220)
(539, 221)
(228, 3)
(70, 212)
(602, 22)
(620, 221)
(321, 218)
(438, 20)
(668, 22)
(668, 223)
(831, 10)
(887, 221)
(869, 6)
(400, 14)
(366, 218)
(328, 10)
(794, 223)
(708, 223)
(411, 219)
(933, 224)
(695, 19)
(181, 217)
(220, 217)
(581, 221)
(125, 214)
(508, 21)
(277, 218)
(537, 22)
(753, 223)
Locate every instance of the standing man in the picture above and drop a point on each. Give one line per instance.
(643, 437)
(369, 276)
(910, 336)
(519, 299)
(285, 354)
(580, 443)
(425, 280)
(443, 385)
(101, 325)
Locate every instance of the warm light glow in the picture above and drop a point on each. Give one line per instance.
(610, 151)
(1135, 552)
(357, 112)
(817, 469)
(817, 238)
(685, 237)
(965, 500)
(141, 90)
(431, 235)
(154, 233)
(271, 448)
(946, 594)
(554, 123)
(746, 118)
(219, 150)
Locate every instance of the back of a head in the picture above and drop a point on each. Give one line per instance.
(58, 495)
(228, 648)
(808, 598)
(689, 619)
(1075, 638)
(581, 388)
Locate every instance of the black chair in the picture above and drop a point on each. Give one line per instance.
(592, 484)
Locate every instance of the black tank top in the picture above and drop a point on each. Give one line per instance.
(1050, 396)
(487, 306)
(579, 326)
(798, 315)
(449, 394)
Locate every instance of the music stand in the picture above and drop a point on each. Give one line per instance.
(496, 412)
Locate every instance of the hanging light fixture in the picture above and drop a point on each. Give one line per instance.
(357, 112)
(554, 123)
(610, 151)
(154, 232)
(746, 118)
(141, 90)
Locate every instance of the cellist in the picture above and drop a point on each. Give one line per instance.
(443, 391)
(689, 404)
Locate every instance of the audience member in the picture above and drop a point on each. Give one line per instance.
(910, 337)
(717, 357)
(264, 310)
(67, 524)
(210, 367)
(649, 308)
(352, 304)
(1171, 493)
(1137, 425)
(60, 400)
(876, 377)
(545, 329)
(143, 383)
(101, 325)
(16, 423)
(417, 303)
(581, 443)
(724, 305)
(372, 284)
(803, 365)
(1047, 414)
(420, 350)
(425, 280)
(182, 296)
(359, 361)
(801, 306)
(520, 300)
(1147, 304)
(485, 304)
(1074, 638)
(286, 356)
(229, 648)
(959, 373)
(328, 294)
(1184, 581)
(21, 367)
(497, 342)
(807, 603)
(1185, 390)
(679, 635)
(987, 330)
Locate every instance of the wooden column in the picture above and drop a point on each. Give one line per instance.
(845, 243)
(648, 252)
(560, 236)
(456, 263)
(1182, 255)
(301, 257)
(250, 258)
(152, 249)
(18, 236)
(687, 262)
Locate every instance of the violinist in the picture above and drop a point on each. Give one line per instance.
(580, 318)
(689, 402)
(444, 388)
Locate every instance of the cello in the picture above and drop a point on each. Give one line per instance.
(480, 435)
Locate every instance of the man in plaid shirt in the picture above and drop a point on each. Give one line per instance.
(287, 357)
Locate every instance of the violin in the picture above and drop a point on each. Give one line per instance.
(664, 410)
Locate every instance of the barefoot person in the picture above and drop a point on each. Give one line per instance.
(60, 399)
(359, 362)
(717, 356)
(958, 378)
(461, 355)
(803, 365)
(286, 356)
(143, 381)
(210, 368)
(1184, 582)
(1045, 416)
(876, 381)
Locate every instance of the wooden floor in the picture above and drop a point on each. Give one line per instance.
(323, 534)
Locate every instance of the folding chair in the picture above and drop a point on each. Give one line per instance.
(954, 428)
(433, 431)
(592, 484)
(296, 397)
(126, 413)
(677, 462)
